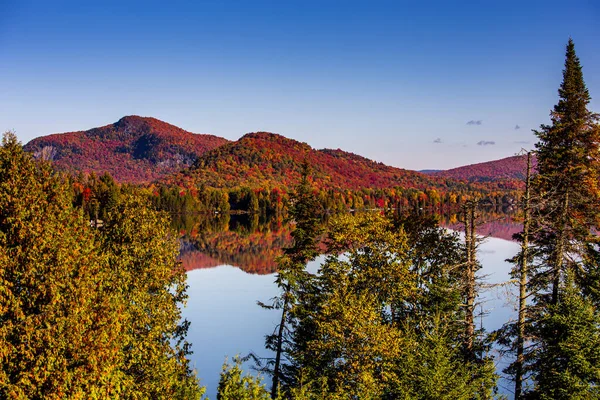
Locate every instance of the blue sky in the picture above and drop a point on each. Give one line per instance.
(394, 81)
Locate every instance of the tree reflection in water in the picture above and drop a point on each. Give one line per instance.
(253, 242)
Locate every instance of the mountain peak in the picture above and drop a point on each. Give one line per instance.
(275, 141)
(138, 124)
(262, 135)
(128, 119)
(133, 149)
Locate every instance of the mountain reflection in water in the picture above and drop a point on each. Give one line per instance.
(253, 243)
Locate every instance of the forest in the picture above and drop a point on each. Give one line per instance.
(91, 286)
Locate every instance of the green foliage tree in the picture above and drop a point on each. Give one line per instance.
(565, 244)
(233, 385)
(432, 365)
(86, 313)
(387, 317)
(568, 170)
(436, 318)
(148, 284)
(567, 359)
(57, 331)
(435, 257)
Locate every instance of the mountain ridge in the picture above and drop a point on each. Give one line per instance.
(261, 159)
(505, 169)
(144, 149)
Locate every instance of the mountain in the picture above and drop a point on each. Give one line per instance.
(263, 159)
(510, 169)
(134, 149)
(142, 150)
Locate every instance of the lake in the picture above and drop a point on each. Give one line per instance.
(227, 279)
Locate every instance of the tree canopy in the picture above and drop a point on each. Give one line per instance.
(86, 312)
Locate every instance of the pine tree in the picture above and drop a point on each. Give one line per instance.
(435, 256)
(569, 209)
(432, 366)
(356, 342)
(568, 355)
(568, 157)
(292, 278)
(387, 316)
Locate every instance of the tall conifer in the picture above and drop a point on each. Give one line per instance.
(293, 278)
(567, 183)
(563, 238)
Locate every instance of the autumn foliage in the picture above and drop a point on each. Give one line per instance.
(133, 149)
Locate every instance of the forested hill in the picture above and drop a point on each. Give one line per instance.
(143, 150)
(134, 149)
(265, 159)
(507, 169)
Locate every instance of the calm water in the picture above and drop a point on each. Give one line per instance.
(225, 318)
(226, 321)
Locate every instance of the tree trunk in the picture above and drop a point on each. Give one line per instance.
(523, 285)
(560, 250)
(275, 386)
(470, 244)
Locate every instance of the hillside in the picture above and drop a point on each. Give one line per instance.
(507, 169)
(142, 150)
(265, 159)
(134, 149)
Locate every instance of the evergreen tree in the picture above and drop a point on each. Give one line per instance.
(234, 386)
(435, 256)
(57, 330)
(432, 365)
(85, 312)
(567, 361)
(382, 328)
(293, 279)
(147, 284)
(355, 343)
(568, 157)
(564, 240)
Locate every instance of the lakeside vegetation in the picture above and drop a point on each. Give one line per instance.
(86, 312)
(90, 312)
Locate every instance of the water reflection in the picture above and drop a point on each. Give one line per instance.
(252, 242)
(230, 261)
(225, 319)
(243, 241)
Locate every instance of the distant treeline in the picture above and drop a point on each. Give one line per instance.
(97, 194)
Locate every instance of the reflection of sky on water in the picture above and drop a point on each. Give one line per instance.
(499, 301)
(227, 321)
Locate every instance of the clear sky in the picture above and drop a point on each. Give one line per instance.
(419, 84)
